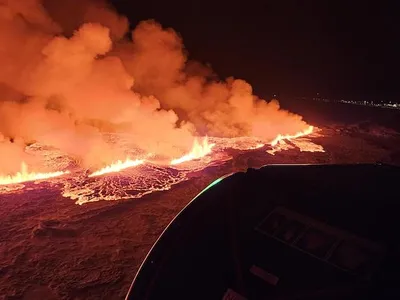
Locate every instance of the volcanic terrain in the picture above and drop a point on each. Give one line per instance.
(108, 131)
(52, 248)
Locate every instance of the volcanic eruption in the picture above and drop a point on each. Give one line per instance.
(86, 97)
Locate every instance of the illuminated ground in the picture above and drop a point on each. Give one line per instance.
(51, 248)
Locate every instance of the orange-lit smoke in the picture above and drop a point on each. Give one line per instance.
(69, 74)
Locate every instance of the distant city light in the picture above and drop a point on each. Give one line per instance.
(375, 103)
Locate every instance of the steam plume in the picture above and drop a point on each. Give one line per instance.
(64, 81)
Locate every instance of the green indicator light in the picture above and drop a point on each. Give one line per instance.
(214, 183)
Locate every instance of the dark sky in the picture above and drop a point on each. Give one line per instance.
(343, 49)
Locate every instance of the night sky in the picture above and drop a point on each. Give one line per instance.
(342, 49)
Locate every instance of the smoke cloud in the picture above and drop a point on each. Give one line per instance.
(67, 80)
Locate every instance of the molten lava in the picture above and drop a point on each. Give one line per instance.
(306, 146)
(118, 166)
(281, 145)
(258, 146)
(299, 140)
(24, 175)
(198, 151)
(148, 173)
(73, 100)
(289, 137)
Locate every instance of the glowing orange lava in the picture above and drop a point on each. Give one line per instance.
(281, 145)
(298, 140)
(118, 166)
(258, 146)
(289, 137)
(24, 175)
(306, 146)
(198, 151)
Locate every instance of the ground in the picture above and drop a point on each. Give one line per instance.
(51, 248)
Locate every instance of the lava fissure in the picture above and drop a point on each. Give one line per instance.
(24, 175)
(82, 94)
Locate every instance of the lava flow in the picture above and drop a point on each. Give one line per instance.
(74, 101)
(280, 143)
(118, 166)
(289, 137)
(198, 151)
(140, 175)
(24, 175)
